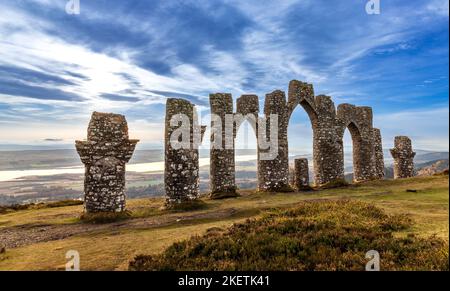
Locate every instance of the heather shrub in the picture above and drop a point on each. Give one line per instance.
(321, 235)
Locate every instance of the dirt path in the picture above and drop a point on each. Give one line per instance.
(22, 235)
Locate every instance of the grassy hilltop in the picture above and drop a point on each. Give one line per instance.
(37, 238)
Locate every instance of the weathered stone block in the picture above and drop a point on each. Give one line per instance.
(379, 156)
(273, 174)
(301, 174)
(104, 155)
(181, 170)
(403, 157)
(222, 165)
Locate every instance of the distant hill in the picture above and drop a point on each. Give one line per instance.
(428, 157)
(431, 168)
(428, 168)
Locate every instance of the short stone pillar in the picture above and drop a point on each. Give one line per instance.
(182, 139)
(301, 174)
(104, 154)
(403, 157)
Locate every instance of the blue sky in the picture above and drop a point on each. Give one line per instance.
(129, 56)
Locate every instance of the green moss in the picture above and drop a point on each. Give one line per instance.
(190, 205)
(325, 235)
(338, 183)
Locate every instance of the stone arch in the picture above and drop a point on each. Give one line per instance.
(359, 119)
(327, 162)
(307, 105)
(247, 110)
(222, 166)
(327, 145)
(310, 111)
(248, 107)
(302, 94)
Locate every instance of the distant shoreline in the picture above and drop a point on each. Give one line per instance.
(138, 167)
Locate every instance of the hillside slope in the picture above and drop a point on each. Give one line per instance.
(38, 239)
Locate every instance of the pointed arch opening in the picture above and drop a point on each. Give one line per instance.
(352, 149)
(246, 156)
(302, 122)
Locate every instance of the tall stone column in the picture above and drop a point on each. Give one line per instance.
(378, 155)
(222, 152)
(328, 146)
(363, 149)
(104, 154)
(301, 174)
(403, 157)
(182, 139)
(273, 173)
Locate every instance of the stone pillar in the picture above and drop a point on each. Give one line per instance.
(378, 155)
(363, 145)
(273, 174)
(104, 155)
(181, 169)
(328, 147)
(222, 165)
(403, 157)
(301, 174)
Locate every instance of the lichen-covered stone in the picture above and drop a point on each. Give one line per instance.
(222, 166)
(328, 161)
(104, 154)
(301, 174)
(403, 157)
(328, 125)
(358, 119)
(379, 156)
(181, 170)
(273, 174)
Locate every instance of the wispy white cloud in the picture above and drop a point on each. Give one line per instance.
(428, 128)
(439, 7)
(327, 43)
